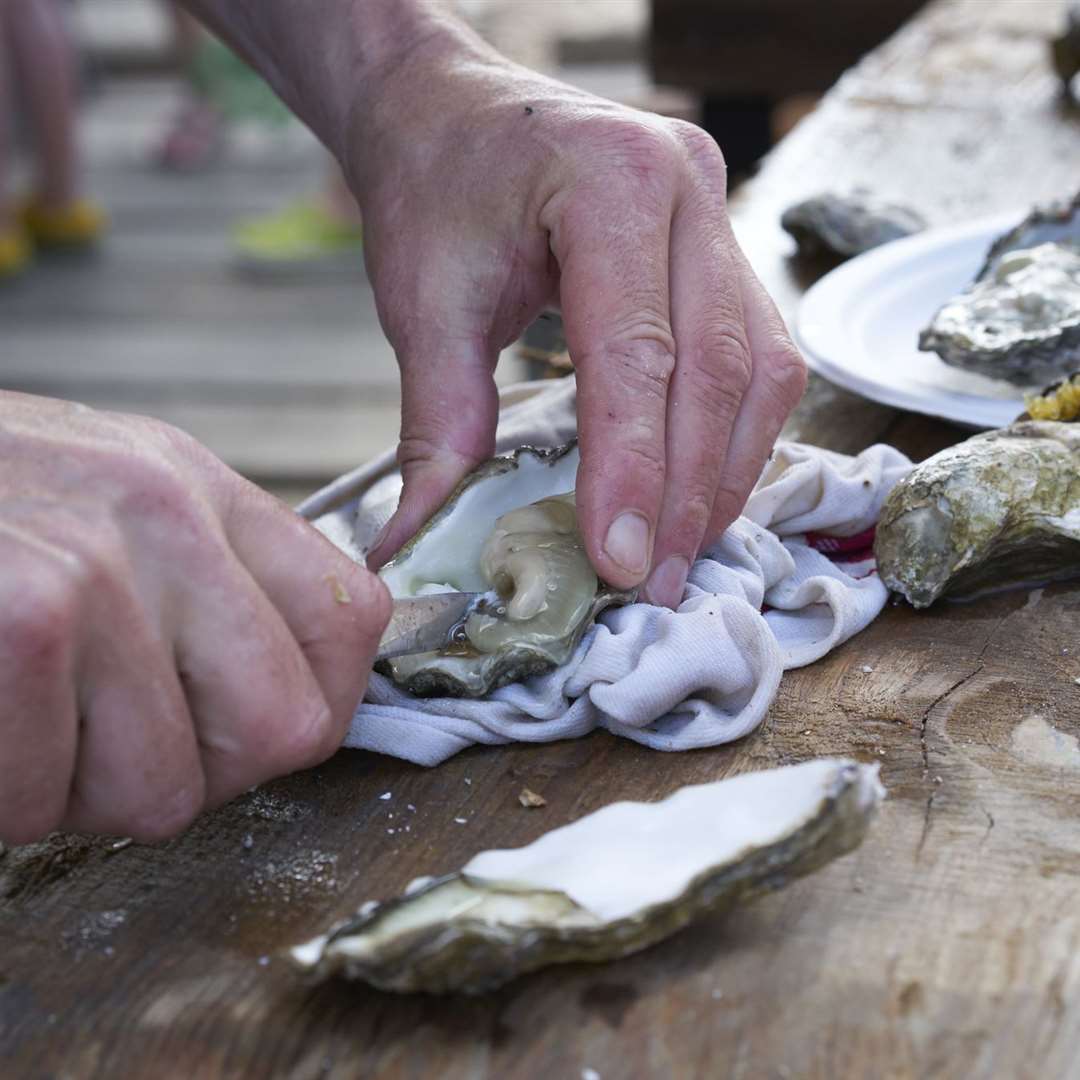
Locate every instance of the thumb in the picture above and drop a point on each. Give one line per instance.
(449, 410)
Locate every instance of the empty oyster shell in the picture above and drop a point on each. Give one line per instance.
(1020, 319)
(847, 225)
(510, 526)
(1002, 508)
(608, 885)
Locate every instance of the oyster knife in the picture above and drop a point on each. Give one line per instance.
(425, 623)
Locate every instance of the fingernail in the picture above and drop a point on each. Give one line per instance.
(627, 542)
(667, 582)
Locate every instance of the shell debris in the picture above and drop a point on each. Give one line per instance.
(531, 799)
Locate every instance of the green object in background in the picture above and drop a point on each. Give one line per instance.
(302, 237)
(219, 74)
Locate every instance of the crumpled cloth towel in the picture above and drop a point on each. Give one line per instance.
(790, 580)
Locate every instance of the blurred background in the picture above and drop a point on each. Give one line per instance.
(203, 264)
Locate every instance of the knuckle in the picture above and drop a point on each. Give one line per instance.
(695, 510)
(787, 374)
(317, 738)
(700, 146)
(642, 149)
(641, 358)
(644, 460)
(727, 353)
(39, 619)
(372, 599)
(720, 377)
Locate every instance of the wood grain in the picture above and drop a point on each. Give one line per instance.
(947, 946)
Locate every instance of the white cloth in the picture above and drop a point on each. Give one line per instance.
(763, 599)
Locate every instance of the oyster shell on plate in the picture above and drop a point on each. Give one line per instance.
(1020, 319)
(607, 885)
(847, 225)
(511, 528)
(1001, 509)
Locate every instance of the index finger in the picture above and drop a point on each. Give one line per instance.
(614, 297)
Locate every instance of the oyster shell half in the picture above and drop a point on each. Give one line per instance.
(847, 225)
(1002, 508)
(1020, 319)
(511, 527)
(606, 886)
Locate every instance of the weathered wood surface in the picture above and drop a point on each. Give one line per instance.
(947, 946)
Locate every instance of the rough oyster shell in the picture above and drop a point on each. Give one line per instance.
(1002, 508)
(847, 225)
(510, 525)
(1020, 319)
(608, 885)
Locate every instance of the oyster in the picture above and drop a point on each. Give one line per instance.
(511, 527)
(846, 225)
(1020, 319)
(1002, 508)
(606, 886)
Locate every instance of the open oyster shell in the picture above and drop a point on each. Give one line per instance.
(847, 225)
(1020, 319)
(1002, 508)
(510, 526)
(608, 885)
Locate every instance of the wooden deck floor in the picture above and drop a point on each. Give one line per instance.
(291, 381)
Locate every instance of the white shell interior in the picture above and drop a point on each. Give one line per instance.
(449, 552)
(629, 856)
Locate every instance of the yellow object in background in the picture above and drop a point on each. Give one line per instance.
(72, 227)
(16, 252)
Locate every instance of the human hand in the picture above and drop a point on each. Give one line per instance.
(170, 635)
(489, 192)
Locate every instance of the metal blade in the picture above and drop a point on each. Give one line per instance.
(423, 623)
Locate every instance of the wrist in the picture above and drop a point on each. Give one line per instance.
(406, 90)
(330, 59)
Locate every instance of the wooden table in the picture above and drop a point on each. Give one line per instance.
(947, 946)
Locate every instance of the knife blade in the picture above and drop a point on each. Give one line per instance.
(424, 623)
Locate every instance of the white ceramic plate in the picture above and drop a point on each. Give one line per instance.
(859, 325)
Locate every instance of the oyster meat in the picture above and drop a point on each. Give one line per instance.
(606, 886)
(1020, 319)
(847, 225)
(1002, 508)
(510, 527)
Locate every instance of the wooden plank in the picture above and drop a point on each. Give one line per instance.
(947, 946)
(766, 48)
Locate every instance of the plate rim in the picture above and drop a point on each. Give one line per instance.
(878, 260)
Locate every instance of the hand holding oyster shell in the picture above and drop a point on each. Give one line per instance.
(498, 192)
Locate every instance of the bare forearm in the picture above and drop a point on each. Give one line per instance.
(324, 57)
